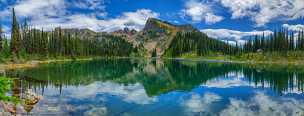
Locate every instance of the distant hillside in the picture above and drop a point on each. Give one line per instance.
(158, 35)
(155, 39)
(82, 33)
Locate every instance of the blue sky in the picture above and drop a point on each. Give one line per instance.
(234, 18)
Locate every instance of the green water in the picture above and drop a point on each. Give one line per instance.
(127, 87)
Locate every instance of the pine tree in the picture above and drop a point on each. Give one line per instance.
(15, 37)
(1, 38)
(6, 49)
(154, 53)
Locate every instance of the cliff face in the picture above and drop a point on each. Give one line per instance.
(159, 35)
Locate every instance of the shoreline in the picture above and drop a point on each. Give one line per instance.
(35, 63)
(283, 62)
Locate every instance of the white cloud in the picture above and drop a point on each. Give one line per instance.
(133, 20)
(49, 14)
(200, 11)
(239, 8)
(233, 35)
(259, 11)
(298, 27)
(264, 105)
(264, 11)
(34, 8)
(6, 31)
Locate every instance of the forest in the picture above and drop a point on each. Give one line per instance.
(199, 44)
(281, 42)
(29, 43)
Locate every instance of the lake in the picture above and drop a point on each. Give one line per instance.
(141, 87)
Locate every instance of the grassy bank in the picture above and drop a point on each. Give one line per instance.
(284, 58)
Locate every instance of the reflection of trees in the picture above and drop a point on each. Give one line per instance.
(8, 102)
(156, 76)
(178, 76)
(190, 76)
(280, 79)
(75, 73)
(20, 98)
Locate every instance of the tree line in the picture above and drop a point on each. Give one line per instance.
(198, 43)
(26, 40)
(282, 41)
(279, 41)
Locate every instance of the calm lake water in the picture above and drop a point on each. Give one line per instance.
(137, 87)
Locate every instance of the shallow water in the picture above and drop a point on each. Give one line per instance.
(136, 87)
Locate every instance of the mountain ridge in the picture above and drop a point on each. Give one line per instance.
(156, 36)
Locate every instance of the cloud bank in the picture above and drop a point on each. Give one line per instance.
(259, 11)
(233, 35)
(48, 14)
(297, 28)
(264, 11)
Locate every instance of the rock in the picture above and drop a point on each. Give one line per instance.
(97, 112)
(30, 100)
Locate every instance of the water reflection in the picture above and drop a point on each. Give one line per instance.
(155, 87)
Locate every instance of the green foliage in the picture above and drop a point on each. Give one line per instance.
(171, 75)
(15, 37)
(5, 87)
(154, 53)
(58, 43)
(28, 43)
(1, 38)
(279, 41)
(199, 43)
(5, 52)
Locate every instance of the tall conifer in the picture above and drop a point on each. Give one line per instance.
(15, 36)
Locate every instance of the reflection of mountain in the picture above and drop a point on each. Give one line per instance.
(158, 77)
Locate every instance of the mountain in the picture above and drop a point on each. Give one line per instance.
(82, 33)
(158, 35)
(153, 40)
(160, 26)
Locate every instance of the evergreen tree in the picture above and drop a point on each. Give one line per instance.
(6, 49)
(1, 38)
(154, 53)
(15, 36)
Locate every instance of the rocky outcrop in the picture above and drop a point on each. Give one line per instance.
(159, 35)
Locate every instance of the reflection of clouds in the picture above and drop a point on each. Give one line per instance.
(237, 79)
(232, 80)
(201, 104)
(130, 93)
(263, 105)
(91, 98)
